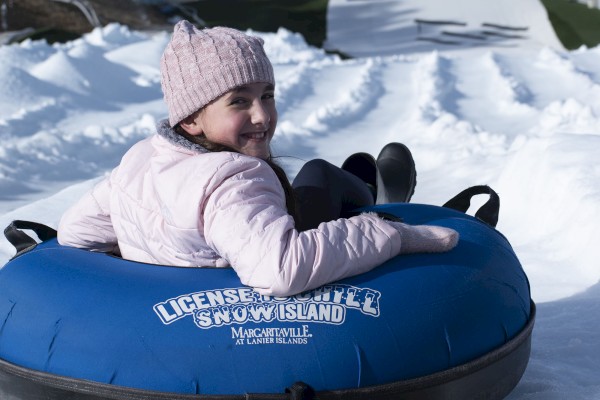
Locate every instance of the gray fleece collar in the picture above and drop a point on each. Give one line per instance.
(163, 128)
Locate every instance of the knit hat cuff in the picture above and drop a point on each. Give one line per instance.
(207, 88)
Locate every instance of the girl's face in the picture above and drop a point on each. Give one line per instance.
(243, 119)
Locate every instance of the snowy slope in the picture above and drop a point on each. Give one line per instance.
(364, 28)
(524, 120)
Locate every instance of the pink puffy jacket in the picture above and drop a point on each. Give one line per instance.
(172, 202)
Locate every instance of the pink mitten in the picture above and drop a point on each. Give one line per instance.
(425, 238)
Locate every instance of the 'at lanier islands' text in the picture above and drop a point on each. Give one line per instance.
(299, 335)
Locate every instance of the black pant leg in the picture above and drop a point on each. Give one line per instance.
(325, 192)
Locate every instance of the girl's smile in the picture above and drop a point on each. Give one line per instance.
(243, 119)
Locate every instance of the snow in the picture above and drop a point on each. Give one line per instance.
(410, 26)
(521, 115)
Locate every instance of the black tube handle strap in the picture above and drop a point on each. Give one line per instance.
(488, 212)
(23, 241)
(300, 391)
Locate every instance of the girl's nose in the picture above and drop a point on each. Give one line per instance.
(260, 115)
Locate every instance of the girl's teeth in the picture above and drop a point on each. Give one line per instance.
(256, 135)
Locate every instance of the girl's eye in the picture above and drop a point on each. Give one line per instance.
(238, 101)
(268, 96)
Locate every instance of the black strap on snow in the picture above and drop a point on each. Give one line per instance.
(488, 212)
(23, 241)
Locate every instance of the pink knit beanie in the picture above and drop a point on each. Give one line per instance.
(199, 66)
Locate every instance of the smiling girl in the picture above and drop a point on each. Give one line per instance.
(205, 192)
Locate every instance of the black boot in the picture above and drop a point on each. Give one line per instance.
(396, 174)
(363, 166)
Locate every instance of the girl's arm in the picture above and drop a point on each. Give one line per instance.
(87, 223)
(246, 222)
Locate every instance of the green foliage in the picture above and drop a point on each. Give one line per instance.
(307, 17)
(575, 24)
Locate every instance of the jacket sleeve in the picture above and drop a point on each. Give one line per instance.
(246, 222)
(87, 224)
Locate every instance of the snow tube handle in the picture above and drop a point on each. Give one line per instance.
(22, 241)
(488, 212)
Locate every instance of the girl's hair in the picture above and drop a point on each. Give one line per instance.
(290, 200)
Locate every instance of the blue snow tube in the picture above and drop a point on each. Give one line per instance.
(78, 324)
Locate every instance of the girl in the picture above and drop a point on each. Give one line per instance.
(204, 191)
